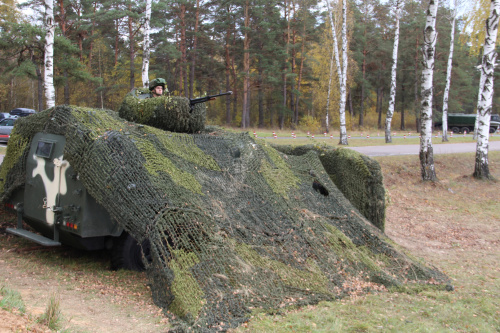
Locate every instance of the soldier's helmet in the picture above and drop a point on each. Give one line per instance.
(157, 82)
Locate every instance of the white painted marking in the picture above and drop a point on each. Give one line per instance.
(52, 187)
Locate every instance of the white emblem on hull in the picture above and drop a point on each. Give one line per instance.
(52, 187)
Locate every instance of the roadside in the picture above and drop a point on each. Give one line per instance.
(390, 150)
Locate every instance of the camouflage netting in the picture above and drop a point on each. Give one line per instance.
(235, 226)
(169, 113)
(356, 175)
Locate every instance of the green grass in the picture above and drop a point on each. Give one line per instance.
(52, 316)
(11, 299)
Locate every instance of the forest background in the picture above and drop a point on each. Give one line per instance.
(204, 47)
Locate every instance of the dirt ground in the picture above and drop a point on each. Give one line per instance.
(433, 221)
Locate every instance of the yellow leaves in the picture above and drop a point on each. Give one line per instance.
(475, 26)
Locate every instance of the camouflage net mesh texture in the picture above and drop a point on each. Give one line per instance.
(356, 175)
(169, 113)
(234, 225)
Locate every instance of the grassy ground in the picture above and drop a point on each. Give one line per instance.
(453, 224)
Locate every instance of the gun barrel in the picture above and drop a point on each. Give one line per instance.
(208, 98)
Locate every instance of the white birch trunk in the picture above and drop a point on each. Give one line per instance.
(448, 74)
(327, 117)
(428, 52)
(343, 84)
(485, 96)
(392, 96)
(335, 55)
(147, 46)
(48, 79)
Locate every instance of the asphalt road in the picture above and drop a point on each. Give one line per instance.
(389, 150)
(448, 148)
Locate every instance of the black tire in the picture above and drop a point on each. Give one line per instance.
(455, 129)
(126, 253)
(464, 129)
(492, 129)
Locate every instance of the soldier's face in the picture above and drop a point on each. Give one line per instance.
(157, 91)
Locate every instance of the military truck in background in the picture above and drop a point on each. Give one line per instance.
(464, 123)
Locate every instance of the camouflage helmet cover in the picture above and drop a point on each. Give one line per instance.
(157, 82)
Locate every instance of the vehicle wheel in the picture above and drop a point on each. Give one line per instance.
(455, 129)
(126, 253)
(492, 130)
(464, 129)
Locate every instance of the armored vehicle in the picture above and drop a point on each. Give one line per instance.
(461, 122)
(223, 223)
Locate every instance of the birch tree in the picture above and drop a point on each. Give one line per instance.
(335, 55)
(48, 79)
(392, 96)
(343, 84)
(485, 96)
(454, 7)
(341, 71)
(147, 46)
(428, 53)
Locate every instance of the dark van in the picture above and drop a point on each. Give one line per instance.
(22, 112)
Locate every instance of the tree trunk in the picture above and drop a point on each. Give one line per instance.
(195, 44)
(448, 77)
(485, 98)
(332, 57)
(361, 104)
(117, 42)
(261, 99)
(132, 50)
(228, 74)
(392, 94)
(183, 49)
(40, 87)
(349, 103)
(380, 98)
(301, 69)
(428, 52)
(228, 100)
(246, 69)
(361, 122)
(49, 54)
(402, 126)
(146, 50)
(341, 71)
(91, 46)
(343, 130)
(66, 88)
(416, 108)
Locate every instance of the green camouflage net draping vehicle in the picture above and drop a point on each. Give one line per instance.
(227, 223)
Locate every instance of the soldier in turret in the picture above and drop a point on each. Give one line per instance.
(156, 88)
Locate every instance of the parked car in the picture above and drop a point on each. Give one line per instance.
(4, 115)
(6, 126)
(22, 112)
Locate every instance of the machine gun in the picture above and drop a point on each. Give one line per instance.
(207, 98)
